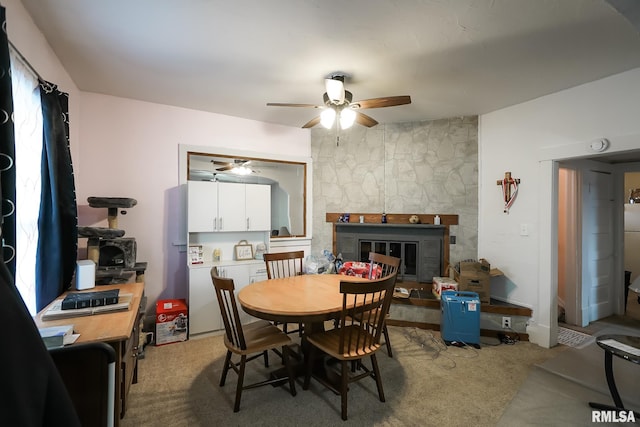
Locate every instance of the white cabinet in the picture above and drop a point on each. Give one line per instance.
(243, 275)
(202, 206)
(223, 206)
(204, 311)
(258, 207)
(231, 207)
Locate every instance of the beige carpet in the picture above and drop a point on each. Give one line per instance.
(557, 392)
(426, 384)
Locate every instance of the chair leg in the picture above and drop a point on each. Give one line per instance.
(266, 358)
(243, 362)
(287, 362)
(344, 389)
(385, 331)
(376, 373)
(227, 361)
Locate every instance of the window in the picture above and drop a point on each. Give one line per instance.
(28, 135)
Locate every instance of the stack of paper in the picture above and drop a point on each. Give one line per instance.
(57, 336)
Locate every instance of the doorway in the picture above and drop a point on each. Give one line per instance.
(631, 241)
(568, 247)
(588, 288)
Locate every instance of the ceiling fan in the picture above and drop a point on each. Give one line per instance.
(238, 166)
(339, 106)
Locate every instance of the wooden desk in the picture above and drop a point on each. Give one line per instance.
(119, 329)
(309, 298)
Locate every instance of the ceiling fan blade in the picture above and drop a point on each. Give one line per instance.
(226, 168)
(311, 123)
(286, 104)
(365, 120)
(389, 101)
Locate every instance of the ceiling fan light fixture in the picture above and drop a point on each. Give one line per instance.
(241, 170)
(335, 90)
(328, 117)
(347, 118)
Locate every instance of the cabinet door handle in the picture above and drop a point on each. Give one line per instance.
(248, 227)
(220, 228)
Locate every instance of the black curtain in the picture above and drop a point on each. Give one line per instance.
(7, 155)
(32, 392)
(58, 220)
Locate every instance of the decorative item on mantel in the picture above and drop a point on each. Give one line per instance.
(509, 190)
(414, 219)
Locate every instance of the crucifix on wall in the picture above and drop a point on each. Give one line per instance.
(509, 190)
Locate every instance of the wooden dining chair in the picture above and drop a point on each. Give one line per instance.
(285, 264)
(248, 341)
(353, 341)
(389, 265)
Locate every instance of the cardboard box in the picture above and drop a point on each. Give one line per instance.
(171, 321)
(474, 276)
(441, 284)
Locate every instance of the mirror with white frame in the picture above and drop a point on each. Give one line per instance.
(288, 181)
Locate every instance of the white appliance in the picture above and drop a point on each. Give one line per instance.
(85, 274)
(632, 239)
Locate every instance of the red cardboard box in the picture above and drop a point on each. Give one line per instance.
(171, 321)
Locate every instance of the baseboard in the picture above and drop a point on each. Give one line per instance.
(436, 327)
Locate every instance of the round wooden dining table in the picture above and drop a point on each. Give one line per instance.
(309, 298)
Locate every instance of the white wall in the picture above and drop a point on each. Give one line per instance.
(130, 149)
(524, 139)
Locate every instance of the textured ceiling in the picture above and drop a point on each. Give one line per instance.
(453, 57)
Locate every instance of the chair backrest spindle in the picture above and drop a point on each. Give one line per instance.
(229, 308)
(369, 299)
(284, 264)
(388, 264)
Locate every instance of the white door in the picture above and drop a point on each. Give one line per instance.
(202, 206)
(231, 207)
(597, 244)
(258, 203)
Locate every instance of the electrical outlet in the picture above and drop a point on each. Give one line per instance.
(506, 322)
